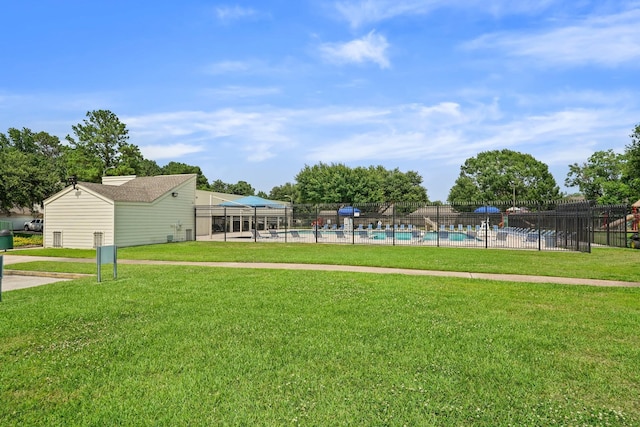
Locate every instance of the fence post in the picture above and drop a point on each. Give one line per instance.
(538, 227)
(393, 224)
(438, 226)
(486, 226)
(286, 222)
(626, 240)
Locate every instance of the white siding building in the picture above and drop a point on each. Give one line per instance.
(122, 211)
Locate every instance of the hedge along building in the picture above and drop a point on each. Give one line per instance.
(122, 211)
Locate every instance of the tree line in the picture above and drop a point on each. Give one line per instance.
(36, 165)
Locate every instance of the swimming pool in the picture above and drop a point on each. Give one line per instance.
(456, 236)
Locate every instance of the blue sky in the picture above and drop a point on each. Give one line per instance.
(256, 90)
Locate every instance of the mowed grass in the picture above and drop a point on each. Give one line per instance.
(602, 263)
(177, 345)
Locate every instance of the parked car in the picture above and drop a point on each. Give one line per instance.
(34, 225)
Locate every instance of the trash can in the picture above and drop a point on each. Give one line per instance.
(6, 239)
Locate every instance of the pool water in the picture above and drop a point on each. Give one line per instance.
(455, 236)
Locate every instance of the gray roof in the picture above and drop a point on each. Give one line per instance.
(143, 189)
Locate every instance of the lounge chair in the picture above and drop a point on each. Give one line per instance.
(364, 234)
(295, 234)
(531, 237)
(340, 234)
(256, 235)
(318, 234)
(274, 234)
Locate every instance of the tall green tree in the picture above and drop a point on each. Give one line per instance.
(496, 175)
(102, 147)
(30, 168)
(631, 170)
(286, 193)
(219, 186)
(600, 177)
(243, 188)
(337, 183)
(177, 168)
(149, 168)
(399, 186)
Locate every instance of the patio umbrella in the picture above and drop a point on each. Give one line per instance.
(348, 211)
(487, 210)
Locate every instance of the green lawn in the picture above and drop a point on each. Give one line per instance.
(175, 345)
(602, 263)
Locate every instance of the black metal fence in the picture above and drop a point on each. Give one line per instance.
(530, 225)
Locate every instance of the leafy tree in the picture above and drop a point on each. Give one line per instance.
(102, 147)
(148, 168)
(242, 188)
(31, 169)
(599, 178)
(495, 175)
(219, 186)
(337, 183)
(286, 193)
(403, 186)
(631, 170)
(177, 168)
(323, 183)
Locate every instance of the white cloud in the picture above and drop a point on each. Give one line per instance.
(227, 67)
(438, 137)
(258, 152)
(604, 40)
(450, 133)
(351, 116)
(253, 67)
(232, 13)
(243, 91)
(370, 48)
(256, 133)
(362, 12)
(171, 151)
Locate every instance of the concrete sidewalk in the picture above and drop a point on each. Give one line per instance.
(17, 279)
(14, 259)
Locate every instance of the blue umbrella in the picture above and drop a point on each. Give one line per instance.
(487, 210)
(348, 211)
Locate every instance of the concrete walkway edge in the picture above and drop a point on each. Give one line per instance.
(13, 259)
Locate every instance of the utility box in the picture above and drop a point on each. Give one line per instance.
(6, 239)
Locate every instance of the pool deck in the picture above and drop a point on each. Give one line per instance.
(488, 240)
